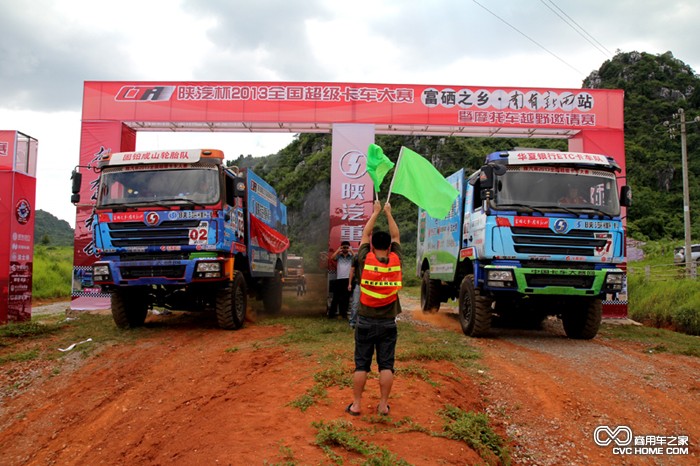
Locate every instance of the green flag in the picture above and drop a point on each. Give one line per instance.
(378, 165)
(419, 181)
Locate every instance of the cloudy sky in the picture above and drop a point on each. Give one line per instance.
(48, 48)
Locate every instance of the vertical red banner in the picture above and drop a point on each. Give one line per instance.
(352, 191)
(97, 139)
(17, 209)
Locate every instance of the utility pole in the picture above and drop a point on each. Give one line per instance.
(686, 196)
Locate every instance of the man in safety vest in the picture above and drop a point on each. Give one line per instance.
(379, 259)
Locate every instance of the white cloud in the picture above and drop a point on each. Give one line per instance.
(48, 48)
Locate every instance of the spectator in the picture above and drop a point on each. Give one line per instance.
(354, 287)
(341, 296)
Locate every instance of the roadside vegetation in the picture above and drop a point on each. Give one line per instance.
(52, 272)
(660, 293)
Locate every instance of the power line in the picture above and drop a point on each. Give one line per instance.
(581, 31)
(530, 39)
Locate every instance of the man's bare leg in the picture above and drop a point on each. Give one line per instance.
(386, 380)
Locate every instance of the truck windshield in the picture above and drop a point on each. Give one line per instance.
(295, 263)
(122, 187)
(568, 189)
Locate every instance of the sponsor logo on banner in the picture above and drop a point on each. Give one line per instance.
(23, 211)
(144, 93)
(532, 222)
(352, 164)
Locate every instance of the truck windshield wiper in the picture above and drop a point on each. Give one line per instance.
(520, 206)
(558, 207)
(181, 200)
(600, 212)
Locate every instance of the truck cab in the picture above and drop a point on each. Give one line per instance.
(180, 230)
(533, 233)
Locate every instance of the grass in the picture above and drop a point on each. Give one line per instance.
(342, 434)
(471, 428)
(52, 272)
(17, 340)
(660, 296)
(654, 340)
(474, 430)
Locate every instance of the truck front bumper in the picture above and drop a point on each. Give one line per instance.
(552, 281)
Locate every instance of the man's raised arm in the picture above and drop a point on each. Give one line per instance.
(393, 227)
(367, 232)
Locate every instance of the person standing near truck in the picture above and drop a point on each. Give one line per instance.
(379, 258)
(354, 290)
(342, 257)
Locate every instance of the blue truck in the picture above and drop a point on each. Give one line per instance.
(180, 230)
(532, 234)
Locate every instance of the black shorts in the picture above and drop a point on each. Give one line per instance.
(375, 334)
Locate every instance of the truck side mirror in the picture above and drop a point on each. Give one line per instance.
(486, 177)
(77, 179)
(626, 196)
(238, 187)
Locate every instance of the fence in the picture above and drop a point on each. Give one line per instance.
(664, 272)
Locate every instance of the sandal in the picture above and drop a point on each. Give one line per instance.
(350, 411)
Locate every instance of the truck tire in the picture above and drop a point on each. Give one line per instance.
(272, 293)
(429, 293)
(583, 321)
(474, 309)
(231, 303)
(129, 307)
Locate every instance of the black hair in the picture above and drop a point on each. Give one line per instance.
(381, 240)
(345, 243)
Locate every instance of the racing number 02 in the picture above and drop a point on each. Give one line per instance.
(200, 234)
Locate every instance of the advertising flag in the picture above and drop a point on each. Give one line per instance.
(418, 180)
(378, 165)
(268, 238)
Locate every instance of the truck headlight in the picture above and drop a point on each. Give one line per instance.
(100, 273)
(613, 281)
(500, 278)
(208, 270)
(100, 270)
(208, 267)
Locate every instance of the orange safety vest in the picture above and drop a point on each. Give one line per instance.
(380, 282)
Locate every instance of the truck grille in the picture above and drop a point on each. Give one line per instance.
(543, 241)
(175, 233)
(167, 271)
(535, 281)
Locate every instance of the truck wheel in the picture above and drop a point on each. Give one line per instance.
(474, 309)
(272, 293)
(129, 307)
(429, 293)
(583, 321)
(231, 303)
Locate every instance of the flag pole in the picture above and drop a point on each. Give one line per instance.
(396, 168)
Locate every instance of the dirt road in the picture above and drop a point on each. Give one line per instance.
(186, 398)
